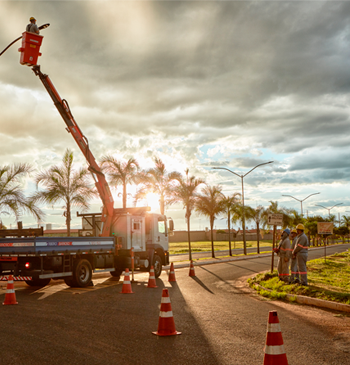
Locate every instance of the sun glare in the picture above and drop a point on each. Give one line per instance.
(153, 202)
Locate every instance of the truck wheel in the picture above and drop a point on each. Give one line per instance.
(69, 281)
(116, 273)
(38, 282)
(157, 264)
(82, 274)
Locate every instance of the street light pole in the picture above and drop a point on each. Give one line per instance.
(301, 201)
(329, 209)
(243, 209)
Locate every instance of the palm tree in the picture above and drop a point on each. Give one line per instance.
(275, 209)
(209, 203)
(12, 198)
(63, 183)
(257, 215)
(229, 202)
(186, 192)
(346, 221)
(121, 173)
(295, 218)
(158, 181)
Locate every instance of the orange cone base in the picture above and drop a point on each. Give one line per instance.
(150, 285)
(275, 359)
(171, 273)
(9, 302)
(126, 291)
(163, 334)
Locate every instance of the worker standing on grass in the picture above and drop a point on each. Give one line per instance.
(300, 252)
(284, 252)
(294, 275)
(32, 27)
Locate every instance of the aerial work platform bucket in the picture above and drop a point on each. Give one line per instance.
(31, 43)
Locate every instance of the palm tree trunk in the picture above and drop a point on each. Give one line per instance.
(124, 195)
(229, 231)
(212, 237)
(68, 218)
(258, 236)
(161, 204)
(189, 237)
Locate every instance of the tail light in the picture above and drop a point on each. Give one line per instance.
(27, 265)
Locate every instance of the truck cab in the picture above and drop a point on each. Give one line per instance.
(137, 229)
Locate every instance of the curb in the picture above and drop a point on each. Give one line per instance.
(301, 299)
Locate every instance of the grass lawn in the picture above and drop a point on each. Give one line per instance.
(182, 247)
(328, 279)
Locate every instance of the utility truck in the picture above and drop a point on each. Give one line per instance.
(111, 240)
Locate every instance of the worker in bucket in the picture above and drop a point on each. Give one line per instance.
(294, 275)
(284, 252)
(32, 27)
(300, 252)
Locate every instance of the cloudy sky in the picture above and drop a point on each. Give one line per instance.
(198, 84)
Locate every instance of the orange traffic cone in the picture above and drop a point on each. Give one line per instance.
(274, 348)
(166, 324)
(191, 273)
(10, 297)
(152, 279)
(126, 289)
(172, 273)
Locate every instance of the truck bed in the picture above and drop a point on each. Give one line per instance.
(46, 246)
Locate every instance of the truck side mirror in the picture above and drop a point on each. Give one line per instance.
(171, 225)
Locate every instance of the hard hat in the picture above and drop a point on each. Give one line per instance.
(300, 226)
(294, 230)
(287, 231)
(32, 18)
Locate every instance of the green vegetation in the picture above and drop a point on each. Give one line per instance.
(202, 246)
(328, 279)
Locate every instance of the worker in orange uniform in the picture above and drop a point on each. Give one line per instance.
(284, 252)
(32, 27)
(300, 252)
(294, 274)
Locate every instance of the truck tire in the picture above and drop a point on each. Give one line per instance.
(82, 274)
(69, 281)
(38, 282)
(116, 273)
(157, 264)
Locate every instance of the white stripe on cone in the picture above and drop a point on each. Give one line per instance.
(165, 300)
(273, 327)
(166, 314)
(274, 350)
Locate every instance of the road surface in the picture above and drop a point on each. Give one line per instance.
(222, 322)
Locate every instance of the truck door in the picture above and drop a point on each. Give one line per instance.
(136, 234)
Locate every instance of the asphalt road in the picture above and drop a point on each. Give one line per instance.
(222, 322)
(200, 255)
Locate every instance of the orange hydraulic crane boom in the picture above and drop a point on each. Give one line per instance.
(82, 142)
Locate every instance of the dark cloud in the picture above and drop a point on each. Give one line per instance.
(201, 84)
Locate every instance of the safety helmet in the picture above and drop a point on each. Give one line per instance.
(287, 230)
(294, 230)
(32, 18)
(300, 226)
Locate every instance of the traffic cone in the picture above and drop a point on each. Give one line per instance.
(166, 324)
(126, 289)
(172, 273)
(191, 273)
(274, 348)
(10, 297)
(152, 279)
